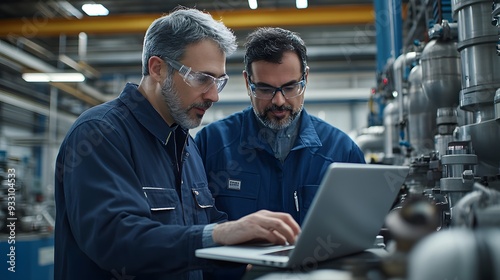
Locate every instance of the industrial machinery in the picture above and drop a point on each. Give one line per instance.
(26, 225)
(441, 117)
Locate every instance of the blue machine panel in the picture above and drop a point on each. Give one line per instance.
(31, 257)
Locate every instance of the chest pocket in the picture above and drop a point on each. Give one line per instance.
(163, 204)
(204, 204)
(238, 194)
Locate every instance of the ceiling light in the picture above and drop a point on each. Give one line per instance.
(252, 4)
(301, 4)
(95, 10)
(53, 77)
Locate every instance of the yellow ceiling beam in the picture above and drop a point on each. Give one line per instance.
(330, 15)
(235, 19)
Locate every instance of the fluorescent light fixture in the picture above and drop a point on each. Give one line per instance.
(301, 4)
(95, 10)
(53, 77)
(252, 4)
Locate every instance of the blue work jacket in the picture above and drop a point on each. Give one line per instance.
(244, 175)
(123, 209)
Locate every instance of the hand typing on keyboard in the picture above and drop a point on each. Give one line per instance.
(275, 227)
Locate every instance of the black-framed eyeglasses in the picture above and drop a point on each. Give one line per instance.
(288, 91)
(197, 79)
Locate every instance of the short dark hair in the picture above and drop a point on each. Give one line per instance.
(269, 44)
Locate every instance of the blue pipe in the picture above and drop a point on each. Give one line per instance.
(389, 31)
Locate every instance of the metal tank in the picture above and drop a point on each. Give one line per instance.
(371, 141)
(421, 115)
(441, 76)
(400, 68)
(392, 149)
(456, 254)
(441, 73)
(480, 80)
(396, 112)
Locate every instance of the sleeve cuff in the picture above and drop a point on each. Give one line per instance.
(207, 240)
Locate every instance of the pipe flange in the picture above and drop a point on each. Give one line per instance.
(455, 184)
(459, 159)
(491, 39)
(475, 95)
(458, 5)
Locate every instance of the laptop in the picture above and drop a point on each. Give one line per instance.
(345, 216)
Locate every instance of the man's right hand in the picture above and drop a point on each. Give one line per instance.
(275, 227)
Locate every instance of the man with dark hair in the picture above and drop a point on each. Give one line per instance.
(132, 198)
(273, 154)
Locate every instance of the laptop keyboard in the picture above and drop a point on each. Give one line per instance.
(284, 252)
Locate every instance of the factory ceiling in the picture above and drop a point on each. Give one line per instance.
(48, 35)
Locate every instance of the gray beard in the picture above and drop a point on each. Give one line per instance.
(273, 124)
(173, 101)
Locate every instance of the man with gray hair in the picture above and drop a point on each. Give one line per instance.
(132, 197)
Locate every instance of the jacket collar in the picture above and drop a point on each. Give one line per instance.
(145, 113)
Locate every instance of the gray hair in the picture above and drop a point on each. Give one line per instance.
(170, 35)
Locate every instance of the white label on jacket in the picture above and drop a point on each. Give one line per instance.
(234, 185)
